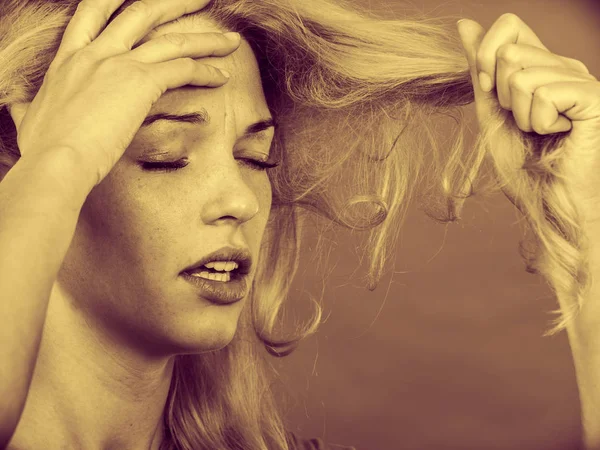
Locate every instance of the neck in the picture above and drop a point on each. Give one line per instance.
(88, 392)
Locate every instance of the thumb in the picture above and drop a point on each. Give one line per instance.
(471, 35)
(17, 112)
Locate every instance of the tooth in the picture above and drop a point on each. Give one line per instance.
(220, 266)
(213, 276)
(225, 277)
(203, 274)
(219, 276)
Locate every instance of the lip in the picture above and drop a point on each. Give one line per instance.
(239, 254)
(220, 292)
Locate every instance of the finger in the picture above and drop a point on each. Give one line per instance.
(512, 58)
(183, 71)
(138, 19)
(17, 112)
(524, 84)
(179, 45)
(86, 24)
(508, 29)
(575, 64)
(471, 35)
(559, 106)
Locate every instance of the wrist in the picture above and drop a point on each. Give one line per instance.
(54, 179)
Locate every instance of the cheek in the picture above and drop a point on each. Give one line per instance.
(130, 223)
(265, 201)
(125, 226)
(265, 193)
(263, 190)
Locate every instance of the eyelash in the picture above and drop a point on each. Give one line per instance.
(259, 166)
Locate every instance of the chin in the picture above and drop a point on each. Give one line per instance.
(181, 329)
(200, 337)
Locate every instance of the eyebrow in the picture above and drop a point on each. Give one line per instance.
(202, 117)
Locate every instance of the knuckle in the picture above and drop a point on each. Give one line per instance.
(84, 56)
(508, 52)
(539, 128)
(86, 6)
(511, 18)
(216, 73)
(516, 80)
(190, 63)
(210, 70)
(138, 71)
(119, 69)
(83, 6)
(582, 67)
(543, 93)
(139, 76)
(142, 8)
(177, 39)
(523, 124)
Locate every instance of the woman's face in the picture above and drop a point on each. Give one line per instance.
(139, 229)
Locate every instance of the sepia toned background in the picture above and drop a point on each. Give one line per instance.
(447, 353)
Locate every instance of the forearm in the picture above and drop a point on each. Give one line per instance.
(584, 339)
(587, 368)
(38, 215)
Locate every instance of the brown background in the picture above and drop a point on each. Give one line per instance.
(448, 352)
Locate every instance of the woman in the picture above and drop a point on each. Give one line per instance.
(123, 182)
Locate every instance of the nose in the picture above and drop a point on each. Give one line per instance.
(232, 195)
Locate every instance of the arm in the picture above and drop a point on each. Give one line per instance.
(584, 339)
(39, 208)
(547, 110)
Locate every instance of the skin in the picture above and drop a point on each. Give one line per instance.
(547, 93)
(119, 310)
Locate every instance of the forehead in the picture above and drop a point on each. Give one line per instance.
(244, 90)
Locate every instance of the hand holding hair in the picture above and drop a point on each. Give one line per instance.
(551, 94)
(547, 94)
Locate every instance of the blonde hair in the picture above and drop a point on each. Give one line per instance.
(356, 96)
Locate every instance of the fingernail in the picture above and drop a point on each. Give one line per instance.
(485, 82)
(232, 36)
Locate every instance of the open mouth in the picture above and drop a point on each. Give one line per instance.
(216, 275)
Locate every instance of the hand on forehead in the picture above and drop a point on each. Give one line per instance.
(200, 24)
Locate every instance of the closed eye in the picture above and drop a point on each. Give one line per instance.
(259, 165)
(165, 166)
